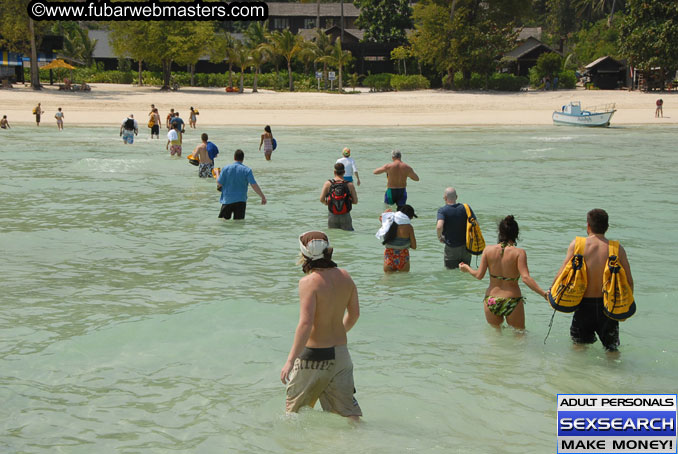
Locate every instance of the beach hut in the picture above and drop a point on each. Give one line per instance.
(606, 73)
(526, 55)
(11, 68)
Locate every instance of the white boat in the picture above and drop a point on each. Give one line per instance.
(572, 114)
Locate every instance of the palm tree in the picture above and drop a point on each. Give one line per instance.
(241, 58)
(338, 58)
(322, 48)
(287, 45)
(258, 57)
(354, 80)
(257, 33)
(222, 48)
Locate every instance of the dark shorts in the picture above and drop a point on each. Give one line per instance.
(455, 255)
(397, 196)
(589, 320)
(236, 209)
(155, 129)
(340, 221)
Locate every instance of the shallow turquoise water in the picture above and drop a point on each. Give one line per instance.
(133, 320)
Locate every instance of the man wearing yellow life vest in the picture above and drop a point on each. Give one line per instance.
(591, 315)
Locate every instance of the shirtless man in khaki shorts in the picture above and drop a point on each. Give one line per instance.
(397, 173)
(319, 366)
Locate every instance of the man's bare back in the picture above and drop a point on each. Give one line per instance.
(397, 173)
(334, 293)
(201, 152)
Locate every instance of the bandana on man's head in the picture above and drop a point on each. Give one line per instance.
(313, 244)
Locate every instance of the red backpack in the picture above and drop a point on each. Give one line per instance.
(339, 197)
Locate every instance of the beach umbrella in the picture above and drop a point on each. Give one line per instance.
(58, 64)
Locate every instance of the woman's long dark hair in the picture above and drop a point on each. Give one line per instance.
(508, 230)
(391, 234)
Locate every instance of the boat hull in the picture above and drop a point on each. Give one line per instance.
(601, 119)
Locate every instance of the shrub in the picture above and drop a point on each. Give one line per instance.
(507, 82)
(378, 82)
(415, 82)
(567, 79)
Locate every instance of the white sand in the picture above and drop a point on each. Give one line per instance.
(109, 104)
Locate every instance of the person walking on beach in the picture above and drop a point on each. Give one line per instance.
(339, 196)
(397, 235)
(193, 117)
(507, 264)
(59, 119)
(397, 173)
(659, 111)
(174, 141)
(4, 123)
(349, 166)
(319, 366)
(451, 230)
(233, 182)
(267, 142)
(37, 111)
(589, 318)
(206, 163)
(128, 129)
(154, 123)
(168, 120)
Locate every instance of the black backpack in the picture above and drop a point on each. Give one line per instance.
(339, 197)
(129, 124)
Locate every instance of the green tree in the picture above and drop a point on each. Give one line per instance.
(162, 42)
(464, 35)
(22, 34)
(222, 49)
(77, 43)
(597, 41)
(338, 58)
(649, 34)
(241, 59)
(322, 46)
(287, 45)
(258, 57)
(384, 21)
(401, 54)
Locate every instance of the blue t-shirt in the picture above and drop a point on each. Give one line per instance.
(179, 121)
(454, 228)
(234, 180)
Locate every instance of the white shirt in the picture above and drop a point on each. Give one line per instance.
(172, 136)
(349, 166)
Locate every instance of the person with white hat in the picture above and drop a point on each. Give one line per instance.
(319, 366)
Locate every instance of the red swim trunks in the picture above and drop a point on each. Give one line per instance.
(396, 258)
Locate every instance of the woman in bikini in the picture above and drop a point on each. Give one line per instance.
(507, 264)
(267, 141)
(398, 238)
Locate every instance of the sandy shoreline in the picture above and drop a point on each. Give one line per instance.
(109, 104)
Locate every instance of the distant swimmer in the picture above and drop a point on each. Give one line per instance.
(339, 196)
(267, 142)
(174, 141)
(37, 111)
(154, 122)
(507, 264)
(206, 163)
(4, 123)
(397, 173)
(193, 117)
(451, 226)
(602, 304)
(233, 182)
(128, 129)
(397, 235)
(59, 119)
(349, 166)
(319, 366)
(169, 118)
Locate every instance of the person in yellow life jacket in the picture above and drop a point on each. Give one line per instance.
(590, 315)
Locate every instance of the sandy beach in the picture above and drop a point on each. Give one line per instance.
(109, 104)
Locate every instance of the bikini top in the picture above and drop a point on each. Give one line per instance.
(502, 278)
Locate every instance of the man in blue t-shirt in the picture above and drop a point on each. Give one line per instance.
(451, 230)
(232, 182)
(177, 119)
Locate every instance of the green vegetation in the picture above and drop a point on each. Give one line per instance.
(384, 21)
(404, 83)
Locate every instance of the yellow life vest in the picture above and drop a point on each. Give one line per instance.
(618, 302)
(569, 288)
(215, 172)
(35, 110)
(151, 122)
(475, 243)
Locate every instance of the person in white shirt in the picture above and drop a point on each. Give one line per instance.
(128, 129)
(59, 119)
(349, 166)
(174, 140)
